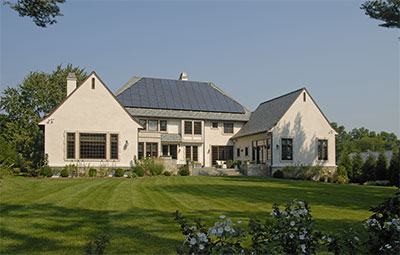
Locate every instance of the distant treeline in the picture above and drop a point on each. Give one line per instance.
(362, 139)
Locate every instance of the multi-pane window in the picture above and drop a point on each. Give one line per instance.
(188, 128)
(152, 125)
(246, 151)
(287, 149)
(188, 152)
(70, 145)
(192, 153)
(143, 123)
(113, 146)
(92, 146)
(163, 125)
(170, 150)
(197, 128)
(323, 149)
(238, 152)
(228, 128)
(215, 125)
(269, 149)
(259, 151)
(151, 150)
(140, 150)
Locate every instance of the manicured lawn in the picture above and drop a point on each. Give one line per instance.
(59, 216)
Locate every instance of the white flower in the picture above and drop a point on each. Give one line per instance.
(303, 248)
(193, 241)
(272, 214)
(323, 237)
(213, 232)
(301, 203)
(356, 238)
(201, 246)
(388, 246)
(301, 237)
(389, 223)
(222, 217)
(292, 223)
(329, 240)
(305, 211)
(291, 236)
(227, 228)
(220, 230)
(239, 222)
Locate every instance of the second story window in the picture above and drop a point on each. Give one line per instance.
(188, 128)
(215, 125)
(153, 125)
(197, 128)
(143, 123)
(323, 149)
(163, 125)
(228, 128)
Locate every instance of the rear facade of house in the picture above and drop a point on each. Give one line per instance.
(180, 121)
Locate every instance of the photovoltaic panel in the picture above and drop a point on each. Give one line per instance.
(177, 95)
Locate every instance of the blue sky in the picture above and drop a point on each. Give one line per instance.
(254, 50)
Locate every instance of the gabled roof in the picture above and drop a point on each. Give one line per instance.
(41, 122)
(268, 114)
(179, 95)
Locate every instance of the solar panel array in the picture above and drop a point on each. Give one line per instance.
(177, 95)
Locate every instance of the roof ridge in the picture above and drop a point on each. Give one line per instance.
(128, 84)
(287, 94)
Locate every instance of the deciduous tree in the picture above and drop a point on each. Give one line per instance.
(387, 11)
(43, 12)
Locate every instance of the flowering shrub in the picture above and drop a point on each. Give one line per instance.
(291, 232)
(222, 238)
(384, 227)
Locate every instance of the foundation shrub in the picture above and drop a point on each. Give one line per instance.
(119, 172)
(64, 172)
(167, 173)
(156, 168)
(139, 170)
(278, 174)
(92, 172)
(132, 175)
(46, 171)
(184, 171)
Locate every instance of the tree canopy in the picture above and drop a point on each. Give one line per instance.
(387, 11)
(26, 104)
(43, 12)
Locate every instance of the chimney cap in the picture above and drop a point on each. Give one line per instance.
(71, 76)
(183, 76)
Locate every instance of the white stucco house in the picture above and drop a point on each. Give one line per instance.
(182, 120)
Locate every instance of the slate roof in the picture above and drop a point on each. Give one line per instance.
(268, 114)
(167, 94)
(171, 138)
(174, 114)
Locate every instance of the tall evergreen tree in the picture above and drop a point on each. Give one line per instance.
(369, 169)
(394, 168)
(345, 161)
(358, 163)
(381, 170)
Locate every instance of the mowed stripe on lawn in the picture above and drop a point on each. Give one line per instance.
(59, 216)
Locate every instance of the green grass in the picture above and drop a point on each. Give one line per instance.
(59, 216)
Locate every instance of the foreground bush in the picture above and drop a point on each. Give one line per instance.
(64, 172)
(291, 231)
(150, 166)
(278, 174)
